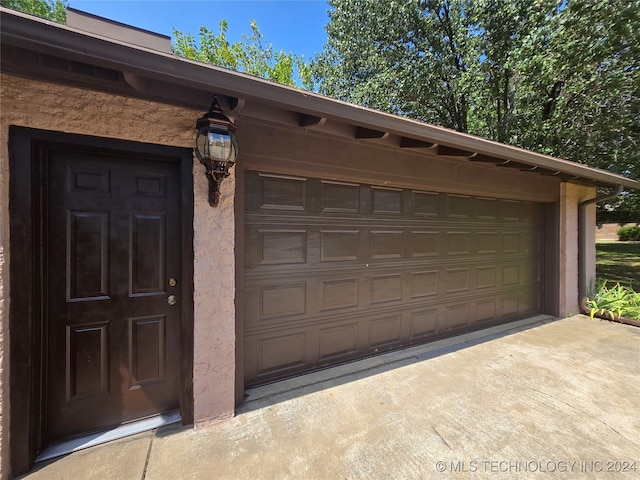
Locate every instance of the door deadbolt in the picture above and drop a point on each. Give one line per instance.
(172, 299)
(173, 282)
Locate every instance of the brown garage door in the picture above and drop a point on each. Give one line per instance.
(336, 271)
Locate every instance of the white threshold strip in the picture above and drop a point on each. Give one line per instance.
(97, 438)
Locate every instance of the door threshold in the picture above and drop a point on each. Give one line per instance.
(97, 438)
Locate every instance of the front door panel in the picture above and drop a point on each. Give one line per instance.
(112, 245)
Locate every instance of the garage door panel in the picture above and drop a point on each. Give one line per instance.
(511, 242)
(308, 244)
(424, 243)
(423, 324)
(291, 194)
(339, 270)
(282, 193)
(510, 305)
(282, 300)
(458, 206)
(487, 243)
(276, 301)
(385, 333)
(386, 244)
(340, 245)
(340, 197)
(297, 345)
(387, 201)
(456, 280)
(486, 208)
(338, 341)
(458, 243)
(423, 284)
(386, 288)
(282, 246)
(289, 295)
(281, 354)
(510, 275)
(511, 210)
(485, 310)
(529, 302)
(456, 316)
(486, 277)
(427, 204)
(339, 294)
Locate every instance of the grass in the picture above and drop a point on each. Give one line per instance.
(619, 262)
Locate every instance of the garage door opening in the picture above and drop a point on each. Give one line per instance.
(336, 271)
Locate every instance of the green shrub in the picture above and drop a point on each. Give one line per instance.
(633, 312)
(617, 301)
(629, 234)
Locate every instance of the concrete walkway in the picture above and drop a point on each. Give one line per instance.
(535, 399)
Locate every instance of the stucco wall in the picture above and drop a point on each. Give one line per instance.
(72, 110)
(214, 309)
(570, 197)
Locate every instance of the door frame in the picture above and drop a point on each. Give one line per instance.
(27, 194)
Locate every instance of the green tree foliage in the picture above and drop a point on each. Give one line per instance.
(588, 83)
(560, 77)
(395, 55)
(250, 55)
(55, 10)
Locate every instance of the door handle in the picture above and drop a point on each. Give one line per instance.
(172, 299)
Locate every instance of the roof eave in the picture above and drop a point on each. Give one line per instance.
(43, 36)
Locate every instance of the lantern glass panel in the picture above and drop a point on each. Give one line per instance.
(217, 146)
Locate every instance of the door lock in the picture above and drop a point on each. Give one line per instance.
(173, 282)
(172, 299)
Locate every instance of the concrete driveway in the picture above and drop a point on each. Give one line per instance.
(540, 398)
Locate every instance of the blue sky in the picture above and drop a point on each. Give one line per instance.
(295, 26)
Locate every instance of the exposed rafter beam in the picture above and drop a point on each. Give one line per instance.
(453, 152)
(237, 104)
(369, 134)
(568, 178)
(406, 142)
(311, 120)
(512, 164)
(134, 81)
(479, 157)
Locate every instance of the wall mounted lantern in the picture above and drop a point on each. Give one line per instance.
(216, 147)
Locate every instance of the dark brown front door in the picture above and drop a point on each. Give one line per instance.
(112, 249)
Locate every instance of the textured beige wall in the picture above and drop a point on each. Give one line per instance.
(214, 309)
(72, 110)
(570, 196)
